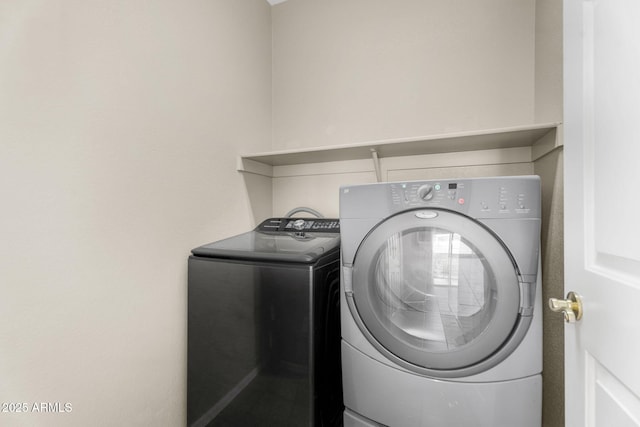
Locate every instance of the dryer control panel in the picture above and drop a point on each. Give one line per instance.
(479, 198)
(441, 193)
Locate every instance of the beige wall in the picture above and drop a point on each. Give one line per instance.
(120, 122)
(549, 108)
(364, 70)
(548, 56)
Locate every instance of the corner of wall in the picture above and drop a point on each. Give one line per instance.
(550, 170)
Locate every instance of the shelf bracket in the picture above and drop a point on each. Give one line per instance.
(376, 164)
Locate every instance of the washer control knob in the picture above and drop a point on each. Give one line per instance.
(425, 192)
(299, 224)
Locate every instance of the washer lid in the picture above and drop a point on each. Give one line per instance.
(270, 246)
(436, 290)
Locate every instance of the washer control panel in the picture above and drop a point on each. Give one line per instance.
(323, 225)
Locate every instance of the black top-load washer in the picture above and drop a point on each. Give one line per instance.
(264, 327)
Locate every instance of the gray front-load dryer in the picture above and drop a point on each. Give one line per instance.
(441, 319)
(264, 327)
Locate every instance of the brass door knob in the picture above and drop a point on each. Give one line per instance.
(570, 307)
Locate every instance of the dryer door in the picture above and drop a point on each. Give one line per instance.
(437, 292)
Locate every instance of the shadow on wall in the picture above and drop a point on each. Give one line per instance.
(550, 170)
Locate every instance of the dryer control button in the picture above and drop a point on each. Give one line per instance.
(425, 192)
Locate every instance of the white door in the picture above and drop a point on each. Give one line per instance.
(602, 210)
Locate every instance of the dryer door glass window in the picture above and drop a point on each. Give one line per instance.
(440, 293)
(433, 285)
